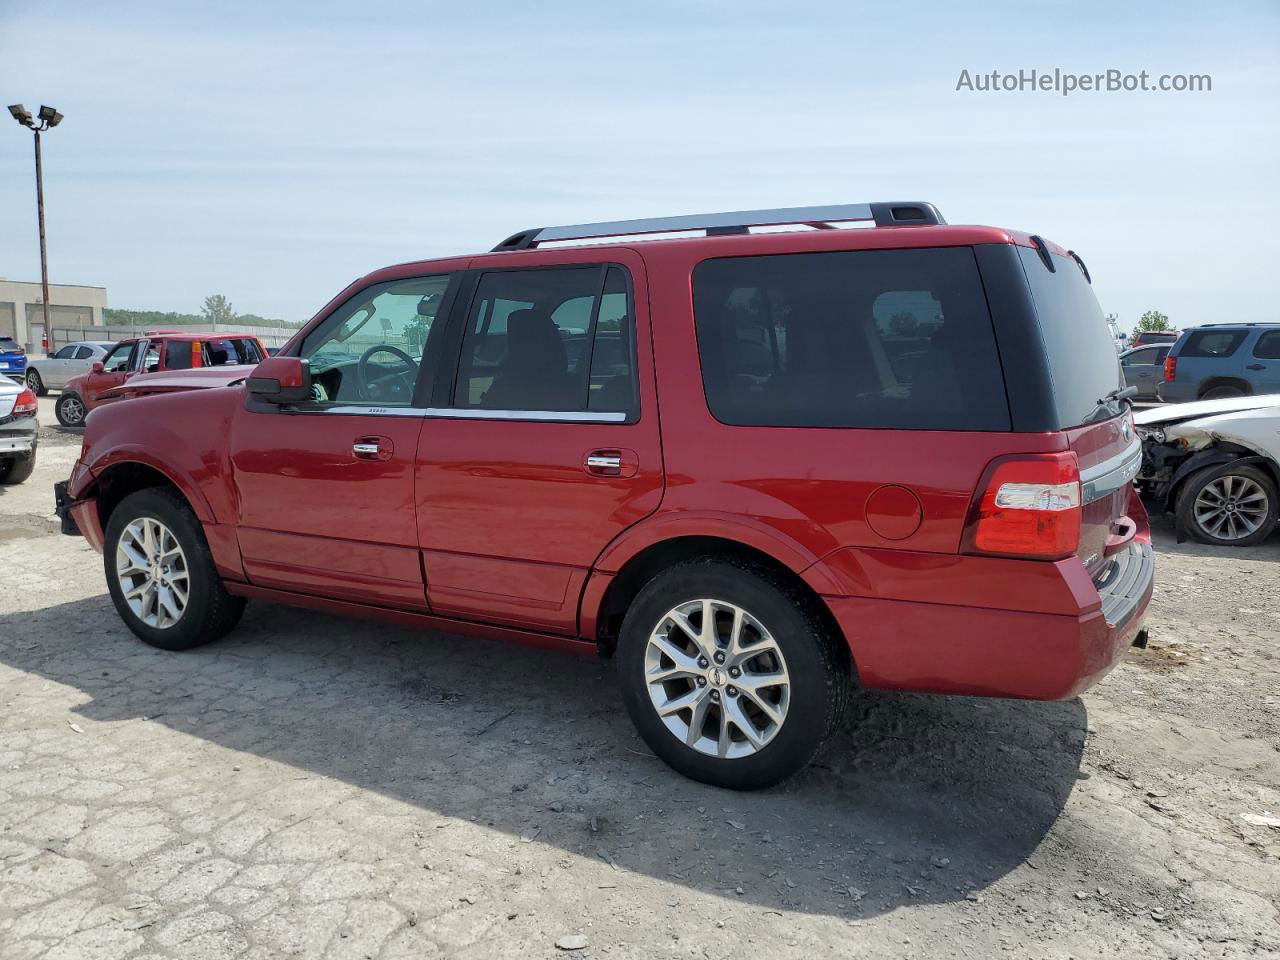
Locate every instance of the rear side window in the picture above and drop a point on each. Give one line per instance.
(1212, 343)
(1268, 346)
(553, 339)
(178, 355)
(878, 338)
(1082, 358)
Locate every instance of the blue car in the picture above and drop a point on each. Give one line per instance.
(13, 360)
(1222, 360)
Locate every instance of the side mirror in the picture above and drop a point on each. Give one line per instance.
(281, 380)
(97, 367)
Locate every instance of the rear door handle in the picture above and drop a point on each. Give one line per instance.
(1256, 366)
(611, 463)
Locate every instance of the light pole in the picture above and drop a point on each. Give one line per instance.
(47, 119)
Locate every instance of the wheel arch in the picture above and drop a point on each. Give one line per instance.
(1234, 382)
(608, 594)
(1216, 455)
(121, 477)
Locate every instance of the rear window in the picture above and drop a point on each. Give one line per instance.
(1083, 363)
(230, 351)
(1212, 343)
(878, 338)
(1268, 346)
(178, 355)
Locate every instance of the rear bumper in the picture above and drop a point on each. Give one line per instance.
(17, 443)
(1031, 638)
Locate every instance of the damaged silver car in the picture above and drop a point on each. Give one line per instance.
(1215, 464)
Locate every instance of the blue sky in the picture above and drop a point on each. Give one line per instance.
(275, 151)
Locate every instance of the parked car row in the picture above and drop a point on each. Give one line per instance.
(1221, 361)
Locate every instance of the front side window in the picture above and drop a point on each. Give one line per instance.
(117, 361)
(1212, 343)
(881, 338)
(556, 339)
(370, 349)
(68, 353)
(151, 361)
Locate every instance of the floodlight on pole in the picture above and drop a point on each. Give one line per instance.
(49, 117)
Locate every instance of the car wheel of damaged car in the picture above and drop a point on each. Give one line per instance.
(1228, 505)
(161, 575)
(17, 469)
(70, 410)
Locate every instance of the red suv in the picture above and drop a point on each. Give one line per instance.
(753, 467)
(152, 353)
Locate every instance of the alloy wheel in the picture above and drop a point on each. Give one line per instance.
(1231, 507)
(73, 409)
(152, 571)
(717, 678)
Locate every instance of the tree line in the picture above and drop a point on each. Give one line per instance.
(217, 309)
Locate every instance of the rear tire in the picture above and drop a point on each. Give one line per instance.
(802, 675)
(180, 558)
(17, 469)
(70, 410)
(36, 383)
(1221, 505)
(1221, 393)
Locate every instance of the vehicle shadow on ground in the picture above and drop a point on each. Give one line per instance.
(918, 800)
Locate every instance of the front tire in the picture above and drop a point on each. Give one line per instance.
(70, 410)
(161, 575)
(731, 676)
(36, 383)
(1230, 505)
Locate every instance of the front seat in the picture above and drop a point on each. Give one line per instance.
(535, 373)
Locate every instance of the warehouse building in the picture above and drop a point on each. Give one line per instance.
(70, 305)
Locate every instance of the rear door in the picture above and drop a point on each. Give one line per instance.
(545, 445)
(1263, 368)
(1140, 369)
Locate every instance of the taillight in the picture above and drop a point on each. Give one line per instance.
(1030, 507)
(1170, 367)
(26, 404)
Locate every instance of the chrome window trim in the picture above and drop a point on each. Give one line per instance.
(1112, 474)
(472, 413)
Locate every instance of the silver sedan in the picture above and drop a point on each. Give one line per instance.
(53, 371)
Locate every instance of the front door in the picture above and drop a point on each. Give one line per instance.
(1144, 368)
(545, 446)
(117, 367)
(326, 488)
(1263, 368)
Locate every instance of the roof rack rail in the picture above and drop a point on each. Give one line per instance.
(899, 213)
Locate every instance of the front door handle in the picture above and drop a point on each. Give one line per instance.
(372, 448)
(1256, 366)
(604, 462)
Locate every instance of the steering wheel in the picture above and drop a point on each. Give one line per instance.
(393, 387)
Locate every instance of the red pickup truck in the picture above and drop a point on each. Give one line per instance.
(135, 358)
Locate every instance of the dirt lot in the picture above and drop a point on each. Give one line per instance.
(321, 787)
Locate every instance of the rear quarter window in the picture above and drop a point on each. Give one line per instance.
(1212, 343)
(1268, 346)
(1083, 364)
(879, 338)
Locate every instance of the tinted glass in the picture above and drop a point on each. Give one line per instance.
(554, 339)
(67, 353)
(1139, 357)
(1161, 353)
(370, 349)
(883, 338)
(1081, 354)
(84, 353)
(151, 362)
(118, 359)
(1212, 343)
(1268, 346)
(178, 355)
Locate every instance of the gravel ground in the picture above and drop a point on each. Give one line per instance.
(320, 787)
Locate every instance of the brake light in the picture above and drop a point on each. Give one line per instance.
(26, 404)
(1030, 507)
(1170, 367)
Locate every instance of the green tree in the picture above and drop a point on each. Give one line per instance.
(217, 309)
(1151, 321)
